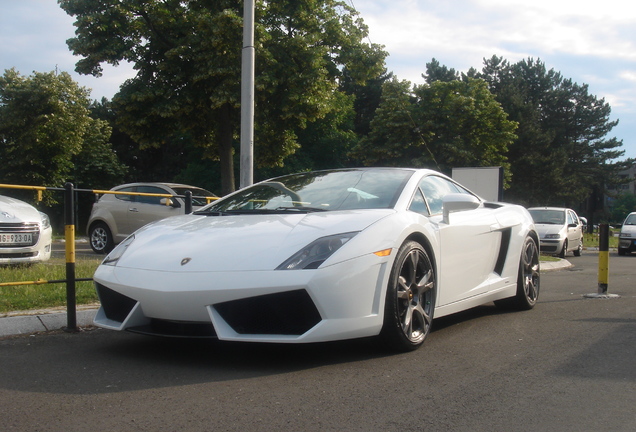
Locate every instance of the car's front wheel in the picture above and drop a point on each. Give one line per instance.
(564, 251)
(410, 299)
(101, 238)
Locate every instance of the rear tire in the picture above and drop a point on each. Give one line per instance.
(528, 279)
(579, 250)
(410, 299)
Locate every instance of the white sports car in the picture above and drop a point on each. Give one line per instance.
(322, 256)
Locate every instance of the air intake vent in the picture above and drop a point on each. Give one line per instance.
(288, 313)
(116, 306)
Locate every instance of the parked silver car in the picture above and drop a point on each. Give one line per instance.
(560, 230)
(25, 233)
(627, 237)
(115, 216)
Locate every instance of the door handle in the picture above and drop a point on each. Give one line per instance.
(133, 209)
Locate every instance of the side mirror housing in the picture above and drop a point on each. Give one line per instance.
(170, 202)
(458, 202)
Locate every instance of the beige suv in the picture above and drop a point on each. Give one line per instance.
(115, 216)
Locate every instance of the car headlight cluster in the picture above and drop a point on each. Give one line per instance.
(625, 234)
(45, 221)
(552, 236)
(317, 252)
(118, 252)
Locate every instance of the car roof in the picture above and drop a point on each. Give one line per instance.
(167, 184)
(549, 208)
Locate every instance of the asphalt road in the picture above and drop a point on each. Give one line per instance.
(567, 365)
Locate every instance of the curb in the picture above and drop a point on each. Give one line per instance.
(42, 321)
(555, 265)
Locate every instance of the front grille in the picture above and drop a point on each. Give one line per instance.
(18, 255)
(287, 313)
(548, 248)
(32, 228)
(116, 306)
(167, 328)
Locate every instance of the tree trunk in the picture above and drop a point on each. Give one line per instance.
(226, 151)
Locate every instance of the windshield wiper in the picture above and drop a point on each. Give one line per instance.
(211, 212)
(300, 209)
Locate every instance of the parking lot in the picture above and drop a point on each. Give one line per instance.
(567, 365)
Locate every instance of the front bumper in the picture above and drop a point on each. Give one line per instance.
(551, 245)
(627, 245)
(341, 301)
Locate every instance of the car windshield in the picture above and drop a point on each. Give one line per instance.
(318, 191)
(198, 195)
(631, 220)
(553, 217)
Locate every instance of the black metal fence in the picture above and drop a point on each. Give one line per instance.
(69, 236)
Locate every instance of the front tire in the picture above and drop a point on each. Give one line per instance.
(101, 238)
(564, 251)
(410, 299)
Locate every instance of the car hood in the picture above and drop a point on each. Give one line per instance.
(629, 229)
(238, 242)
(545, 229)
(16, 211)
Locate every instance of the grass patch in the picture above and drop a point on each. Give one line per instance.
(28, 297)
(592, 240)
(548, 258)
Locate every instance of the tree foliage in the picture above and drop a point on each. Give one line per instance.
(46, 129)
(187, 56)
(441, 125)
(563, 151)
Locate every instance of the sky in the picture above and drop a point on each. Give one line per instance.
(590, 42)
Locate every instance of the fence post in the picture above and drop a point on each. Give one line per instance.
(188, 202)
(69, 235)
(603, 258)
(603, 264)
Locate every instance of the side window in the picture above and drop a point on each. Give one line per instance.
(418, 204)
(149, 199)
(125, 197)
(571, 218)
(435, 189)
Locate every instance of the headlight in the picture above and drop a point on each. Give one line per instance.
(116, 254)
(314, 254)
(626, 234)
(552, 236)
(46, 222)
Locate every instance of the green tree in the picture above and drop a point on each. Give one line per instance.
(623, 205)
(44, 121)
(562, 154)
(442, 125)
(187, 56)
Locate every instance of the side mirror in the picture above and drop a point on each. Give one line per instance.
(170, 202)
(458, 202)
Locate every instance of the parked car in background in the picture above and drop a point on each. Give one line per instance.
(320, 256)
(627, 236)
(560, 230)
(25, 233)
(115, 216)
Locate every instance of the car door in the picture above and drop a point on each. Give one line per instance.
(575, 231)
(146, 209)
(119, 207)
(469, 243)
